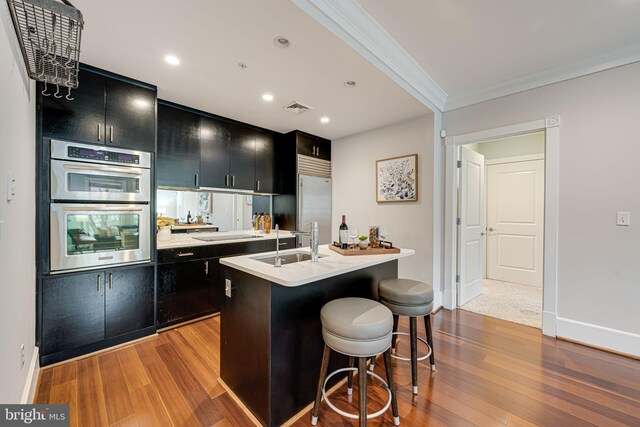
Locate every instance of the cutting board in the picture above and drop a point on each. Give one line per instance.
(368, 251)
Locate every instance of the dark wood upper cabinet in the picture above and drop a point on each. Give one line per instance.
(129, 300)
(215, 138)
(130, 115)
(242, 154)
(265, 162)
(313, 146)
(81, 119)
(178, 157)
(104, 110)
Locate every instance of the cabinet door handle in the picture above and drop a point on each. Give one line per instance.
(110, 281)
(283, 244)
(226, 180)
(110, 133)
(99, 277)
(206, 267)
(186, 254)
(258, 185)
(314, 150)
(233, 180)
(318, 151)
(197, 180)
(99, 131)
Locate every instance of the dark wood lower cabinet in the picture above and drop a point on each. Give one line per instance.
(183, 291)
(72, 311)
(85, 312)
(129, 301)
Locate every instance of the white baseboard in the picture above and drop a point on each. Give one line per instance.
(31, 383)
(437, 300)
(549, 324)
(448, 302)
(599, 336)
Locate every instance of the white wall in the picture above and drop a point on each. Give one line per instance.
(410, 225)
(599, 272)
(17, 242)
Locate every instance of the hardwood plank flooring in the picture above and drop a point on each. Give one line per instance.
(489, 373)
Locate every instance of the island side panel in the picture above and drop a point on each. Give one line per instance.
(296, 335)
(244, 340)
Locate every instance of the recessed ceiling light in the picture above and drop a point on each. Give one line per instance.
(173, 60)
(324, 119)
(281, 41)
(242, 65)
(267, 97)
(349, 83)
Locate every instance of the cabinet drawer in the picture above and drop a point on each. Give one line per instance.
(191, 253)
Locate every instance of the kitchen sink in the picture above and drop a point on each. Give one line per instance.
(227, 237)
(289, 258)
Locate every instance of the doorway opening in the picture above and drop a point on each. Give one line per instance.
(500, 233)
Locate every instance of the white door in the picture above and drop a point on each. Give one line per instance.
(515, 215)
(471, 229)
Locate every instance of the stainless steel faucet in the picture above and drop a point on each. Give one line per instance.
(313, 234)
(278, 260)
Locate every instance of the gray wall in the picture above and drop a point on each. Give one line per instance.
(598, 274)
(17, 241)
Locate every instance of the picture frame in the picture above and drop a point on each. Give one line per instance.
(397, 179)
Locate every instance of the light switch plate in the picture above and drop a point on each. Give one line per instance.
(623, 218)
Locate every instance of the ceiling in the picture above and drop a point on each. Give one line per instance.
(478, 50)
(212, 36)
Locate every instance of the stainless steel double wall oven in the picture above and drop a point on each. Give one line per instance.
(100, 210)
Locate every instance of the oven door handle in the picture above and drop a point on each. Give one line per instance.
(98, 209)
(103, 169)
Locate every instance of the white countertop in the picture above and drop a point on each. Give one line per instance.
(183, 240)
(300, 273)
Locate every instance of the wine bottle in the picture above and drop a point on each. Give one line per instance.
(343, 233)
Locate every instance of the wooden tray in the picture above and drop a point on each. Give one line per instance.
(368, 251)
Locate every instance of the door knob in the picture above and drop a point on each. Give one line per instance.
(492, 229)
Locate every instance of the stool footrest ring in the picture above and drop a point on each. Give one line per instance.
(348, 414)
(395, 356)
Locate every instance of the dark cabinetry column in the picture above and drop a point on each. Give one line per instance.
(214, 152)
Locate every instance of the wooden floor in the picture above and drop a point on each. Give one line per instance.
(489, 373)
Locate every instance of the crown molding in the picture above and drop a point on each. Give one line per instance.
(354, 26)
(611, 58)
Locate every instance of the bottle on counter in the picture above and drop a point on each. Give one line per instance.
(343, 233)
(267, 224)
(261, 221)
(254, 221)
(189, 217)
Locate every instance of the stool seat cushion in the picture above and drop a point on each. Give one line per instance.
(405, 292)
(357, 326)
(406, 297)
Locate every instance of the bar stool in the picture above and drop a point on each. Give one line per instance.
(359, 328)
(405, 297)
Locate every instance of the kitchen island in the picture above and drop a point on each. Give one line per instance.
(270, 331)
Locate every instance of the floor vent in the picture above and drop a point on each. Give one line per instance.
(298, 107)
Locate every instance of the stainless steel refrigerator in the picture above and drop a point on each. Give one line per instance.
(314, 204)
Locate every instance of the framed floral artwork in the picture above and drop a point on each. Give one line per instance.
(397, 179)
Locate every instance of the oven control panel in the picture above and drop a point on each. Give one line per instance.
(74, 152)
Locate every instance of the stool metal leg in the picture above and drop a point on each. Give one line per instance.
(414, 353)
(350, 378)
(372, 363)
(427, 326)
(362, 388)
(392, 385)
(396, 320)
(323, 373)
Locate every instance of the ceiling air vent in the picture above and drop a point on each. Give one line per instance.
(298, 107)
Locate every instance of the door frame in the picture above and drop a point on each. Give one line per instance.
(551, 126)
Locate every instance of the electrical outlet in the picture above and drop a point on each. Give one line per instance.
(227, 288)
(21, 356)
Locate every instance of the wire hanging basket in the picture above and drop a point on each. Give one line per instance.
(49, 34)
